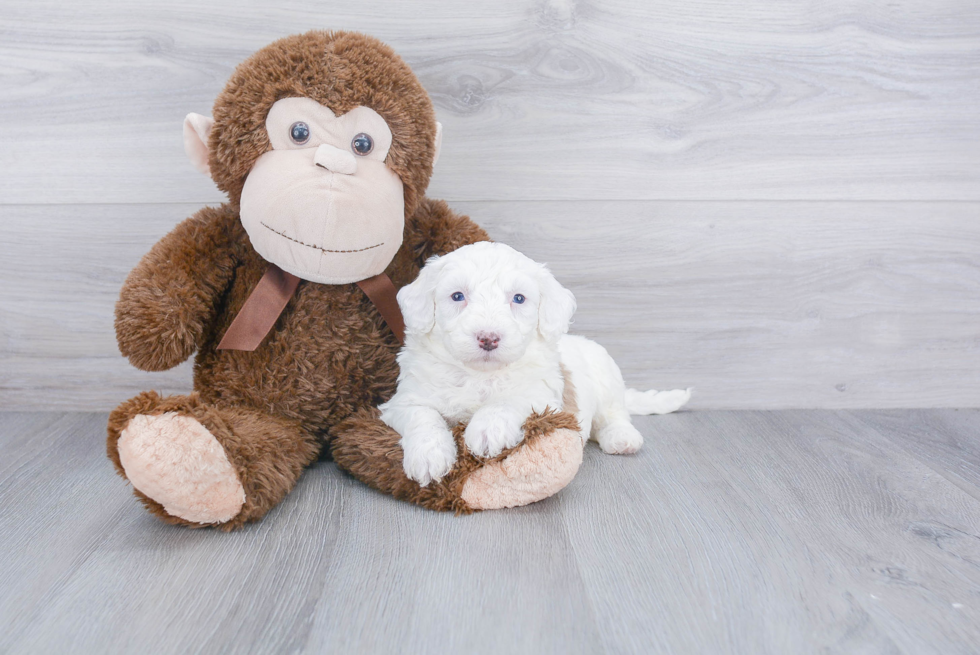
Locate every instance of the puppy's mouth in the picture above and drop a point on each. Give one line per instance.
(487, 359)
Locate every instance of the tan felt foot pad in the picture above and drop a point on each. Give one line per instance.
(177, 462)
(530, 474)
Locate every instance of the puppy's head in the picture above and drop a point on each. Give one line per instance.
(485, 304)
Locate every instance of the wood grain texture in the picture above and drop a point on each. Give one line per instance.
(947, 442)
(755, 304)
(774, 203)
(730, 532)
(541, 99)
(775, 532)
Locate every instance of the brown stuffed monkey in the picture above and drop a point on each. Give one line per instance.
(324, 143)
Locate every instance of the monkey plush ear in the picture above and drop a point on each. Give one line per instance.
(197, 129)
(418, 299)
(435, 157)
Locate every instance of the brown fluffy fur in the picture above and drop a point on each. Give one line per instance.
(267, 452)
(330, 356)
(369, 450)
(340, 70)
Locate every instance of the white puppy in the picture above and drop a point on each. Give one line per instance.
(485, 343)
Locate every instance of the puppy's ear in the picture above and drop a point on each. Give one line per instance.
(418, 299)
(556, 307)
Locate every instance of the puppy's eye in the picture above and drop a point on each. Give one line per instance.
(458, 296)
(362, 144)
(299, 132)
(519, 299)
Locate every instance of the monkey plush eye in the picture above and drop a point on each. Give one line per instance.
(519, 299)
(458, 296)
(362, 144)
(299, 132)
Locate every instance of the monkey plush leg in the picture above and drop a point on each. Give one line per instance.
(539, 467)
(197, 464)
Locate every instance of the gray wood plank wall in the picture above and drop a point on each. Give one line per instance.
(776, 203)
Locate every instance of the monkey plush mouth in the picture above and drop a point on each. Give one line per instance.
(308, 245)
(337, 233)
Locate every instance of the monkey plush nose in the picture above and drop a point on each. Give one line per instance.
(335, 160)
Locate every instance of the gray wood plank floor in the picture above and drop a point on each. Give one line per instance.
(731, 532)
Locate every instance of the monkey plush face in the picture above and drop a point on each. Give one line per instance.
(325, 141)
(322, 204)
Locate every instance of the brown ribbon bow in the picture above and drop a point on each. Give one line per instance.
(270, 296)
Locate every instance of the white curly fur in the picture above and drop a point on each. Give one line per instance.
(492, 361)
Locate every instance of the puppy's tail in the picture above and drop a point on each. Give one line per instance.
(656, 402)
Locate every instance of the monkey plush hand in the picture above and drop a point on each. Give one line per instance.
(324, 143)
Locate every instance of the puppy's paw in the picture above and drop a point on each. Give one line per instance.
(428, 458)
(620, 439)
(492, 430)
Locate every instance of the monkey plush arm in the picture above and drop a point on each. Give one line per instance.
(438, 230)
(170, 297)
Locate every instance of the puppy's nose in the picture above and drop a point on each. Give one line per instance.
(488, 340)
(335, 160)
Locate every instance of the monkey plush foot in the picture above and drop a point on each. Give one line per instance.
(177, 462)
(196, 464)
(536, 469)
(540, 466)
